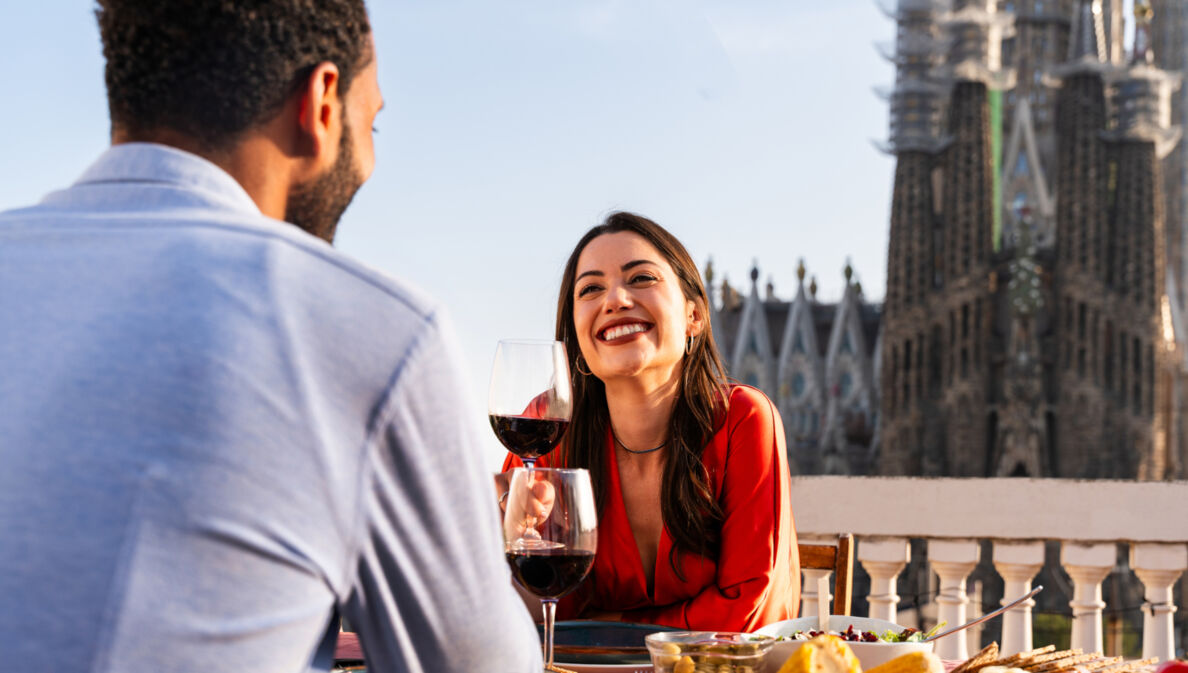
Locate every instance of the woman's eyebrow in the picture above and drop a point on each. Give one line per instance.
(629, 265)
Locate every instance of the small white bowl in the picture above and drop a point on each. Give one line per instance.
(869, 654)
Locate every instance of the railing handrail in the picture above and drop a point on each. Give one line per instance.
(1000, 509)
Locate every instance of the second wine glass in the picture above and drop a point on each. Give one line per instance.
(530, 400)
(558, 506)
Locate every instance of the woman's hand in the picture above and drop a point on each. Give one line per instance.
(528, 502)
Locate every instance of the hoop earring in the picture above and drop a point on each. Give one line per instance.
(577, 364)
(689, 345)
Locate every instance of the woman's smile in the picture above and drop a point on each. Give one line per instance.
(619, 330)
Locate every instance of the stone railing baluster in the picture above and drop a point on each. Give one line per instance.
(883, 560)
(815, 585)
(973, 638)
(1158, 566)
(1087, 565)
(952, 561)
(1017, 563)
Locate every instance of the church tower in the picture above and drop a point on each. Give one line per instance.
(943, 223)
(915, 247)
(1081, 323)
(1141, 287)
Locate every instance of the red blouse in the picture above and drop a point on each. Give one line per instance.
(756, 578)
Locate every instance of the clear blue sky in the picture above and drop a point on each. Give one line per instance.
(511, 127)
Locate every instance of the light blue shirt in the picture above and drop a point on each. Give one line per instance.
(216, 431)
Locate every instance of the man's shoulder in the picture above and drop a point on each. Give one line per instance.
(215, 237)
(280, 247)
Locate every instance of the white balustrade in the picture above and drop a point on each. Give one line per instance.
(1090, 518)
(1017, 563)
(1088, 565)
(883, 560)
(1158, 566)
(952, 561)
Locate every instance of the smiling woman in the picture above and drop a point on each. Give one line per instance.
(689, 470)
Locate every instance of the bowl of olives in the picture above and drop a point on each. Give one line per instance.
(708, 652)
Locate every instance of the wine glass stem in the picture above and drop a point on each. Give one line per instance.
(550, 615)
(529, 521)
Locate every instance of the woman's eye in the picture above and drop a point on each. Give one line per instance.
(587, 290)
(642, 278)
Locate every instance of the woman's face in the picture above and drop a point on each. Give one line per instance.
(629, 311)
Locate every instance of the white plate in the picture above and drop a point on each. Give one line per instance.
(869, 654)
(608, 668)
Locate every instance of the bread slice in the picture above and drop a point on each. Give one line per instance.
(823, 654)
(912, 662)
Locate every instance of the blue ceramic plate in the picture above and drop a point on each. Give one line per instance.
(589, 642)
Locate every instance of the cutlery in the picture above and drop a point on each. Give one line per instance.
(988, 615)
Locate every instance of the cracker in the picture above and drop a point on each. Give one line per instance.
(1131, 666)
(1023, 658)
(1101, 663)
(978, 661)
(1050, 657)
(1067, 662)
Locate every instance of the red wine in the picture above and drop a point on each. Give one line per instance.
(550, 573)
(528, 438)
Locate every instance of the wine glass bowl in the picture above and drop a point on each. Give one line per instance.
(530, 399)
(558, 505)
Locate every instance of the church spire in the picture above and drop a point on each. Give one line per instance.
(1143, 53)
(1143, 92)
(975, 30)
(1087, 38)
(917, 97)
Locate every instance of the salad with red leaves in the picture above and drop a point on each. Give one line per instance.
(907, 635)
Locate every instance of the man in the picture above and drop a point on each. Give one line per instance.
(216, 432)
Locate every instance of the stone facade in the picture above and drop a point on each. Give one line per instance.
(1045, 344)
(817, 362)
(1033, 316)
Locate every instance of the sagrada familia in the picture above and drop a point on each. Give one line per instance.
(1035, 321)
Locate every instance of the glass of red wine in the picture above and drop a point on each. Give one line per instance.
(530, 399)
(559, 506)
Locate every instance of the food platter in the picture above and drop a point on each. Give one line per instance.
(870, 654)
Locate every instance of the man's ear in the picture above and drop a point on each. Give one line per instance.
(319, 116)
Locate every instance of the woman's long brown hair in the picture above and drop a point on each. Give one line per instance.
(687, 505)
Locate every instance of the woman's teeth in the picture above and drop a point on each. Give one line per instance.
(622, 331)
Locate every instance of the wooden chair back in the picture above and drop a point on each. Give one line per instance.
(840, 559)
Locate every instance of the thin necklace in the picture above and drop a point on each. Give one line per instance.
(624, 446)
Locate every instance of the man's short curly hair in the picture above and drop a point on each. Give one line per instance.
(212, 69)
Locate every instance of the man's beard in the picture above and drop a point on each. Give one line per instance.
(315, 206)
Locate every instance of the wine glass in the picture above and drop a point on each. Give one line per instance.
(530, 399)
(559, 505)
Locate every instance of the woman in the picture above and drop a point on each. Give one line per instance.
(690, 472)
